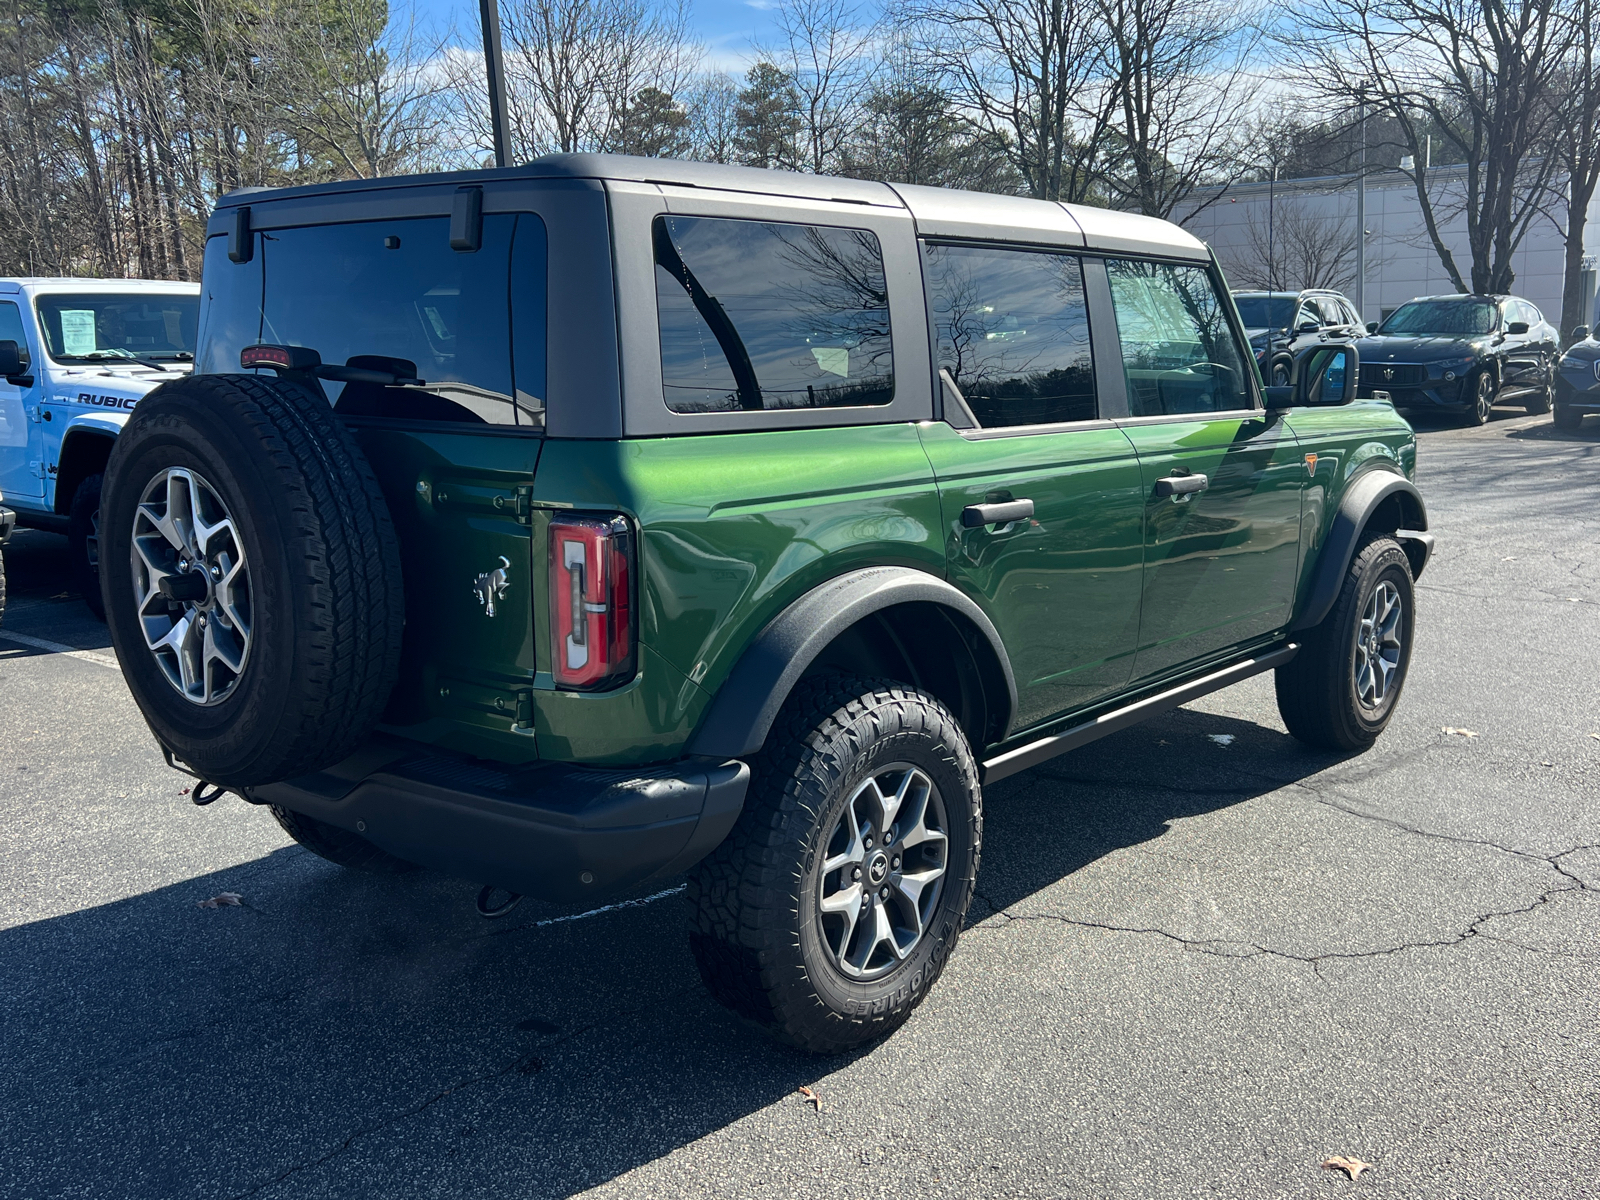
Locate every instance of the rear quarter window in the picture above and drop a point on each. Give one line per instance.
(762, 315)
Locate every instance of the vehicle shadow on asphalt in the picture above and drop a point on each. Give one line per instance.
(42, 598)
(345, 1034)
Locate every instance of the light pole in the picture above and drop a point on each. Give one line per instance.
(1361, 210)
(494, 69)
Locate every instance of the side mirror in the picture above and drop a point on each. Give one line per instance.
(1322, 376)
(1517, 327)
(1307, 327)
(1372, 327)
(14, 363)
(1581, 333)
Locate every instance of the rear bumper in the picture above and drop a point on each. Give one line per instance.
(557, 831)
(8, 522)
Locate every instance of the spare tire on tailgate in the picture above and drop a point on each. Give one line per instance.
(251, 575)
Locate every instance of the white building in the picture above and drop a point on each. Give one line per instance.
(1309, 227)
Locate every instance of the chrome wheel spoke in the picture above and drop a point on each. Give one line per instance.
(1379, 645)
(183, 532)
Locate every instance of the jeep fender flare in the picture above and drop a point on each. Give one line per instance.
(1362, 499)
(85, 446)
(737, 722)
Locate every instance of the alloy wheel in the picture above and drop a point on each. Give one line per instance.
(1379, 646)
(191, 584)
(883, 872)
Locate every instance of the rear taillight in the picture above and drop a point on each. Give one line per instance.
(591, 602)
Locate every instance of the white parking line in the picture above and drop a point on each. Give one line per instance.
(92, 656)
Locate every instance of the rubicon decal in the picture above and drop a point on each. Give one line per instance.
(107, 401)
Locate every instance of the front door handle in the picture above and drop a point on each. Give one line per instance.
(975, 515)
(1182, 485)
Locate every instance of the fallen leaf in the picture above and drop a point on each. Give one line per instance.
(1350, 1166)
(1221, 739)
(183, 791)
(222, 900)
(1595, 736)
(1458, 732)
(811, 1098)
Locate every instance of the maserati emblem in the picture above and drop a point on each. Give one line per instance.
(1388, 374)
(492, 586)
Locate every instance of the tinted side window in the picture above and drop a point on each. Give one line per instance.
(1013, 331)
(396, 289)
(767, 315)
(1178, 350)
(11, 326)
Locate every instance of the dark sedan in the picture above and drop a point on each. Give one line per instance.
(1578, 381)
(1462, 354)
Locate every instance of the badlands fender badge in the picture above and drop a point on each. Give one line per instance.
(1311, 464)
(492, 585)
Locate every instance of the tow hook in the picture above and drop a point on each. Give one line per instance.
(489, 912)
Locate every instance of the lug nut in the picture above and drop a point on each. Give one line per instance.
(867, 843)
(884, 894)
(856, 874)
(216, 571)
(896, 864)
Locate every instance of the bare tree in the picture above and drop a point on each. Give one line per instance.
(1478, 72)
(1174, 70)
(713, 126)
(1303, 249)
(1026, 72)
(1575, 103)
(821, 47)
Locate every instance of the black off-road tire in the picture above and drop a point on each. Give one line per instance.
(325, 589)
(2, 586)
(1317, 690)
(1568, 420)
(755, 928)
(340, 845)
(83, 543)
(1480, 398)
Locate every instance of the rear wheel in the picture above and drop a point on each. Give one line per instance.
(83, 543)
(1482, 398)
(1541, 400)
(339, 845)
(829, 912)
(1568, 420)
(1340, 691)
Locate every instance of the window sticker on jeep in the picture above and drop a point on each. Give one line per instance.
(77, 331)
(767, 315)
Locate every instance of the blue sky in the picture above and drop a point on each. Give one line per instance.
(727, 27)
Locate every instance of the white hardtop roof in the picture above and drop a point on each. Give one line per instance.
(35, 285)
(944, 212)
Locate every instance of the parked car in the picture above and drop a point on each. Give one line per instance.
(670, 517)
(75, 356)
(1462, 355)
(1578, 381)
(1282, 324)
(8, 521)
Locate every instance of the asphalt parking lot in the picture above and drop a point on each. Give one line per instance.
(1195, 968)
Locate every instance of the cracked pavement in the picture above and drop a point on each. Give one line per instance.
(1192, 969)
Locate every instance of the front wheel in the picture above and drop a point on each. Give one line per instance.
(1482, 403)
(83, 543)
(1340, 691)
(834, 904)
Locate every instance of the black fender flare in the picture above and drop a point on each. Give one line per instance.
(737, 722)
(1361, 499)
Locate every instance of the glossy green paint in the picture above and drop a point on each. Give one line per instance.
(1220, 565)
(732, 528)
(1063, 588)
(1347, 440)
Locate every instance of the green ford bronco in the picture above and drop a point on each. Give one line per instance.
(572, 526)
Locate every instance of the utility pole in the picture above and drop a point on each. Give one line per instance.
(1361, 209)
(495, 70)
(1272, 270)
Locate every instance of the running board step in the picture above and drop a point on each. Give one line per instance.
(1046, 748)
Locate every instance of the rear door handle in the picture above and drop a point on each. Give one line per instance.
(1182, 485)
(975, 515)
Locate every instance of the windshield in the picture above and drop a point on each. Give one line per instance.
(119, 327)
(1265, 312)
(1435, 318)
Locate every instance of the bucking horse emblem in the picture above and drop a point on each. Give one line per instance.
(492, 586)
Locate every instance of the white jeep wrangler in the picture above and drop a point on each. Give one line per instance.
(75, 356)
